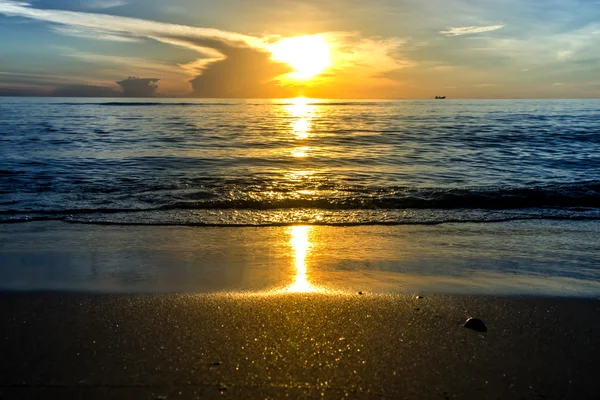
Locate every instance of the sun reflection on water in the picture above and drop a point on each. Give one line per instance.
(300, 243)
(302, 114)
(300, 152)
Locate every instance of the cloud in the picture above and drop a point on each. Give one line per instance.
(243, 73)
(77, 90)
(128, 26)
(22, 90)
(36, 84)
(95, 34)
(147, 66)
(467, 30)
(359, 69)
(210, 44)
(106, 3)
(360, 66)
(139, 87)
(174, 81)
(52, 85)
(227, 63)
(375, 56)
(563, 55)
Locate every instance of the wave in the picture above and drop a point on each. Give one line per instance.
(305, 217)
(572, 196)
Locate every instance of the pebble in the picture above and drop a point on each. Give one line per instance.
(475, 324)
(419, 297)
(360, 293)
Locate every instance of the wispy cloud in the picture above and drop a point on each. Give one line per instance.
(106, 3)
(148, 66)
(95, 34)
(366, 56)
(563, 55)
(467, 30)
(52, 78)
(129, 26)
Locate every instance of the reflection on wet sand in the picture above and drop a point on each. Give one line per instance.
(300, 244)
(507, 258)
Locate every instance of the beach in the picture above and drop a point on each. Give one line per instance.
(68, 345)
(300, 248)
(538, 258)
(97, 311)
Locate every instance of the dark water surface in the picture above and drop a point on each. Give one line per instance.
(264, 162)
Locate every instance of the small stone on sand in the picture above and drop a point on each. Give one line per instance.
(360, 292)
(475, 324)
(419, 297)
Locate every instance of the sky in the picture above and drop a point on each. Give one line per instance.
(371, 49)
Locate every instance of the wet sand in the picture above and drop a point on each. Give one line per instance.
(98, 346)
(520, 257)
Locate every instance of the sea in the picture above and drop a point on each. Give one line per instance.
(278, 162)
(309, 162)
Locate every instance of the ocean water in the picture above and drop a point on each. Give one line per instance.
(298, 161)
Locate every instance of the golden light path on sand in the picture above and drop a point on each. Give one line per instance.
(300, 243)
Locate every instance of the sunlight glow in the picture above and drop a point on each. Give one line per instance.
(301, 128)
(300, 152)
(300, 244)
(302, 113)
(308, 55)
(300, 175)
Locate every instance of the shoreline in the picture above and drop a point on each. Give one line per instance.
(512, 258)
(67, 345)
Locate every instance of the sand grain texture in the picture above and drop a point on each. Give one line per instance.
(296, 345)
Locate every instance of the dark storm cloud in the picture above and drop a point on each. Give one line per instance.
(139, 87)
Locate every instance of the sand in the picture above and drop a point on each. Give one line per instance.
(100, 312)
(520, 257)
(98, 346)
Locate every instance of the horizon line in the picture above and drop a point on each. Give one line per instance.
(296, 97)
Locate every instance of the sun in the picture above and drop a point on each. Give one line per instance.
(308, 55)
